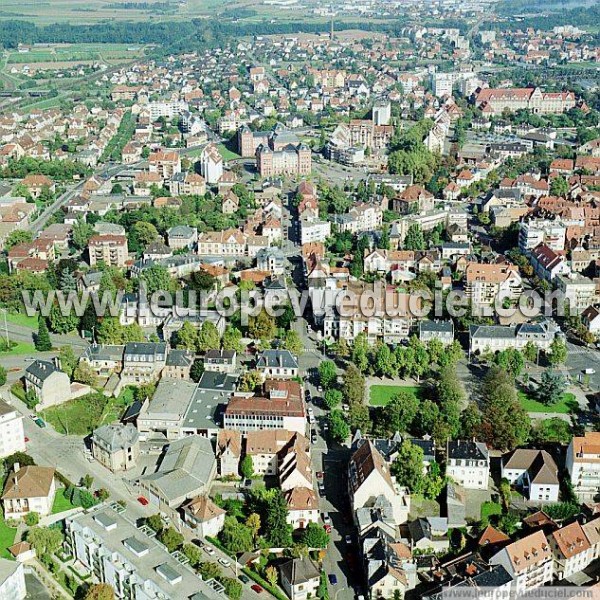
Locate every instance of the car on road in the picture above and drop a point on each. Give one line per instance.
(143, 501)
(224, 562)
(33, 416)
(40, 423)
(244, 579)
(321, 488)
(348, 539)
(327, 528)
(26, 440)
(319, 474)
(208, 550)
(313, 437)
(256, 588)
(326, 518)
(332, 578)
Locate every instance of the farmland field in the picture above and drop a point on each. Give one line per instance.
(74, 54)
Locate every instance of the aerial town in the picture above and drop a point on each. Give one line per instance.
(299, 301)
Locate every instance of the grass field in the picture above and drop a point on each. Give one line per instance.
(489, 509)
(77, 417)
(226, 153)
(115, 407)
(381, 394)
(567, 404)
(61, 503)
(7, 538)
(19, 348)
(22, 320)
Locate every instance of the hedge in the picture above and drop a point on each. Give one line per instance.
(272, 590)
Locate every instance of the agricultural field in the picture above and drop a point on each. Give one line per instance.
(56, 55)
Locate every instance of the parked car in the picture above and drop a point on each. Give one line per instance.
(348, 540)
(208, 550)
(143, 501)
(332, 578)
(224, 562)
(327, 528)
(326, 518)
(244, 579)
(321, 487)
(319, 474)
(40, 423)
(257, 588)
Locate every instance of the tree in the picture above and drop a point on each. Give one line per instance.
(278, 532)
(157, 278)
(210, 570)
(353, 387)
(359, 417)
(62, 322)
(530, 352)
(253, 522)
(85, 374)
(559, 186)
(42, 339)
(82, 232)
(193, 554)
(470, 421)
(246, 467)
(314, 536)
(427, 416)
(401, 411)
(171, 538)
(292, 342)
(87, 481)
(332, 398)
(100, 591)
(408, 467)
(232, 339)
(551, 388)
(236, 537)
(233, 588)
(197, 370)
(360, 352)
(505, 424)
(68, 360)
(511, 360)
(327, 373)
(45, 540)
(552, 431)
(3, 375)
(249, 381)
(414, 239)
(19, 236)
(187, 337)
(558, 352)
(143, 234)
(262, 326)
(32, 518)
(208, 337)
(271, 575)
(385, 361)
(155, 522)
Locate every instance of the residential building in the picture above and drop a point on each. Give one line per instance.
(220, 361)
(571, 549)
(12, 580)
(48, 383)
(436, 330)
(548, 264)
(494, 101)
(312, 231)
(186, 470)
(277, 364)
(290, 160)
(583, 463)
(535, 232)
(528, 561)
(495, 338)
(132, 561)
(487, 283)
(468, 464)
(228, 452)
(12, 435)
(299, 578)
(272, 260)
(303, 507)
(579, 291)
(282, 407)
(534, 472)
(204, 516)
(116, 446)
(369, 479)
(143, 362)
(111, 250)
(182, 236)
(29, 489)
(211, 164)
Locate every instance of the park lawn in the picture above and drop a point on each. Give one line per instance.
(61, 503)
(227, 154)
(77, 417)
(565, 406)
(7, 538)
(22, 320)
(382, 394)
